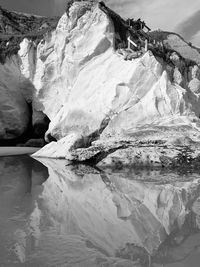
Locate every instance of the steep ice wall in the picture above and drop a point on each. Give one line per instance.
(91, 82)
(70, 58)
(19, 36)
(85, 86)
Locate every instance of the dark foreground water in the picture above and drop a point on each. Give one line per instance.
(52, 214)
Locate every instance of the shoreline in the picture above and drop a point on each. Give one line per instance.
(13, 151)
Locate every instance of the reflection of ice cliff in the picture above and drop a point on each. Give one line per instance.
(106, 212)
(83, 217)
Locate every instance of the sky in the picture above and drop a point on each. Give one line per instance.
(181, 16)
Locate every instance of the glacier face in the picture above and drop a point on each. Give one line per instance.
(92, 82)
(86, 88)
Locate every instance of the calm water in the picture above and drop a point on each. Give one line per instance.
(52, 214)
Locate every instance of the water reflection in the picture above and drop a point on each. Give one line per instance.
(20, 186)
(81, 216)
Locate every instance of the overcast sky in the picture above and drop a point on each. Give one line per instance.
(182, 16)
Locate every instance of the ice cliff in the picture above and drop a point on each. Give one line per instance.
(19, 36)
(78, 77)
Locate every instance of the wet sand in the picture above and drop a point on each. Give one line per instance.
(9, 151)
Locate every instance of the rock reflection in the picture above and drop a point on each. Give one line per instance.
(81, 216)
